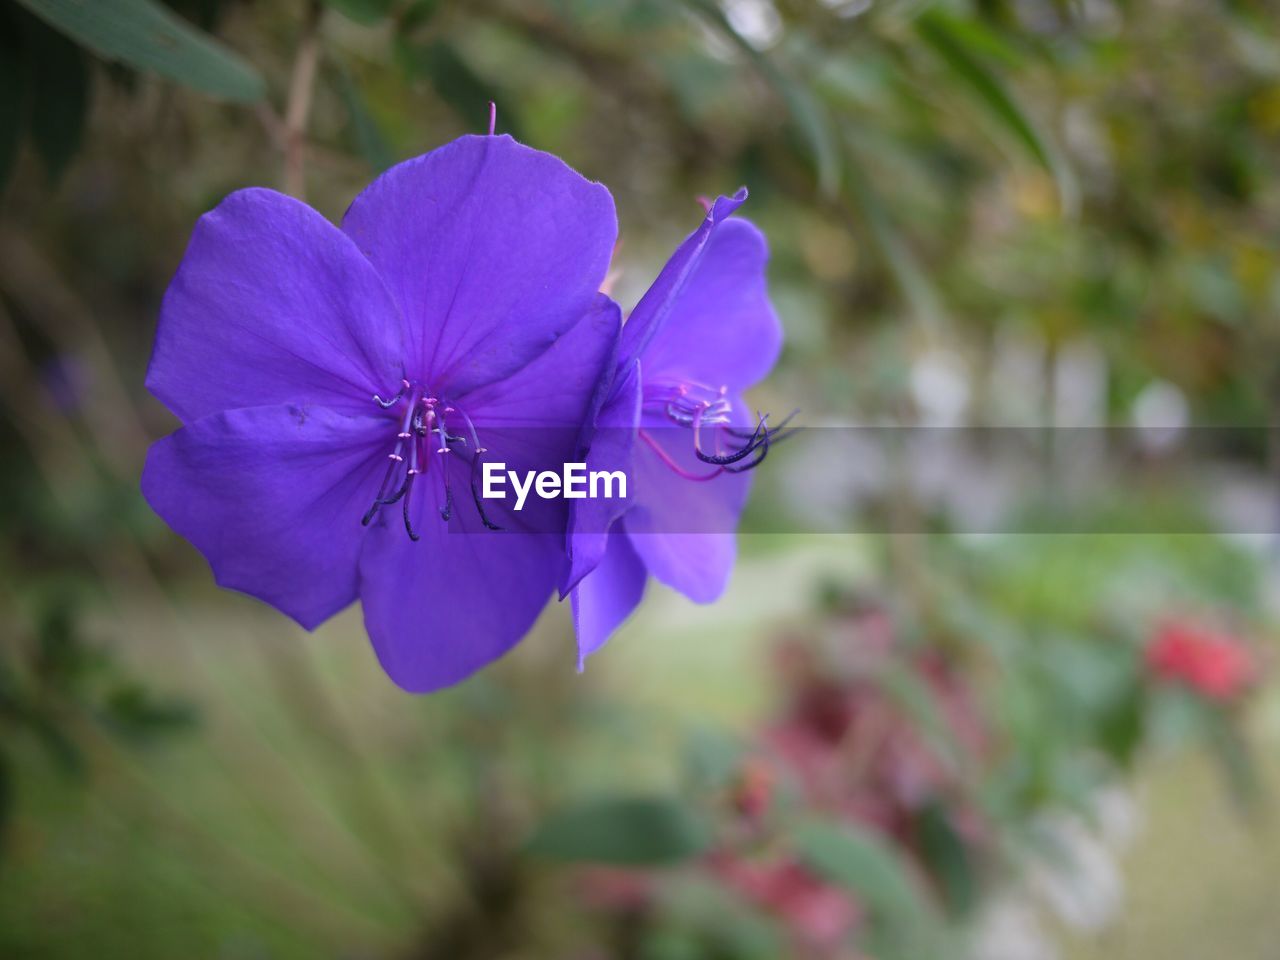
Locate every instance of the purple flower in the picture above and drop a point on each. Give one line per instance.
(327, 376)
(674, 419)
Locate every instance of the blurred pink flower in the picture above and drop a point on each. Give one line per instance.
(1213, 663)
(819, 915)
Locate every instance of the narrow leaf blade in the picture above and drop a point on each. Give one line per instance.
(623, 831)
(146, 36)
(952, 47)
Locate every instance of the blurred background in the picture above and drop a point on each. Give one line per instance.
(1044, 213)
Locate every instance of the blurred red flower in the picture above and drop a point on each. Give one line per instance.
(818, 915)
(1211, 662)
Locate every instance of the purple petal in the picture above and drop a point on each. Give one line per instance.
(607, 595)
(721, 330)
(683, 529)
(273, 304)
(533, 419)
(613, 435)
(651, 313)
(492, 250)
(440, 609)
(554, 388)
(273, 496)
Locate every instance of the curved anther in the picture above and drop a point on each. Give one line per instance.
(757, 438)
(384, 502)
(743, 435)
(387, 404)
(408, 526)
(475, 494)
(447, 510)
(764, 452)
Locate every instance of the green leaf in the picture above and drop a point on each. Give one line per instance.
(864, 863)
(624, 831)
(58, 89)
(913, 279)
(807, 113)
(132, 710)
(712, 758)
(952, 45)
(370, 142)
(146, 36)
(368, 12)
(948, 859)
(917, 700)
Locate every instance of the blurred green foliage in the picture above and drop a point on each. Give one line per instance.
(934, 177)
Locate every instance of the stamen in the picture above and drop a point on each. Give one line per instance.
(764, 452)
(742, 434)
(405, 510)
(675, 467)
(443, 430)
(475, 494)
(423, 417)
(388, 404)
(741, 454)
(395, 457)
(704, 408)
(475, 437)
(384, 501)
(447, 510)
(493, 117)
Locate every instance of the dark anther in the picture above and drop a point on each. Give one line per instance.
(381, 499)
(405, 509)
(743, 435)
(447, 510)
(475, 495)
(755, 440)
(387, 404)
(386, 501)
(764, 452)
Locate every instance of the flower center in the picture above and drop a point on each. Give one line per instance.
(707, 412)
(424, 434)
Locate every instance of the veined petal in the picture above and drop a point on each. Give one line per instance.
(439, 609)
(555, 386)
(654, 308)
(607, 595)
(721, 330)
(459, 598)
(272, 496)
(696, 564)
(273, 304)
(492, 250)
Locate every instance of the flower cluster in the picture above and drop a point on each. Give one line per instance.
(844, 748)
(340, 389)
(1216, 665)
